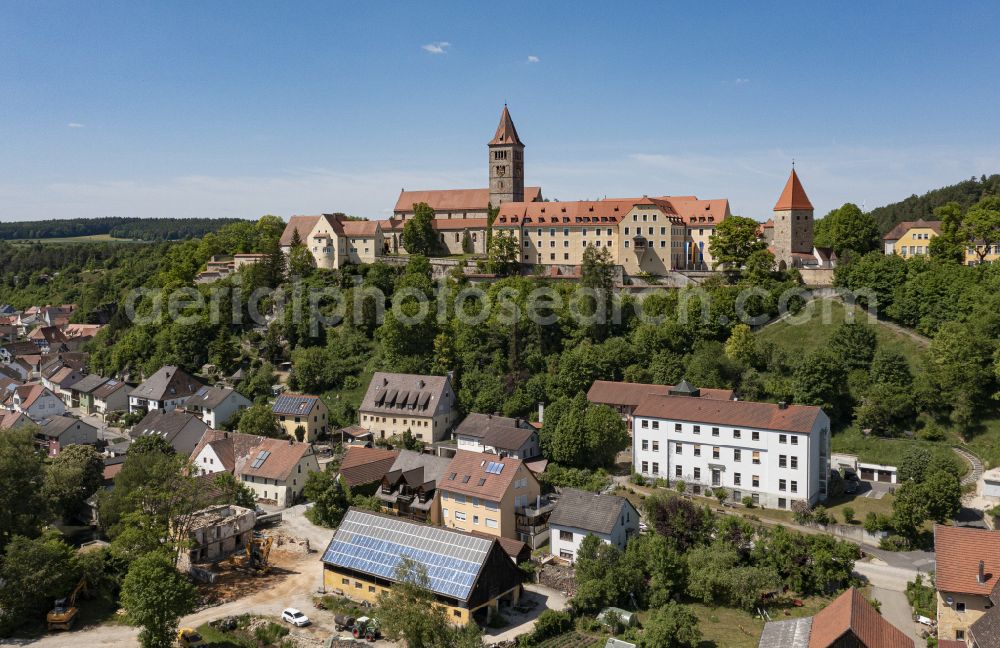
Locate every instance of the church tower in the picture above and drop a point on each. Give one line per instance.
(793, 222)
(506, 163)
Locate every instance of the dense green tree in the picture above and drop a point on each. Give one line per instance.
(886, 409)
(260, 420)
(408, 612)
(913, 465)
(683, 523)
(503, 255)
(981, 226)
(233, 491)
(605, 577)
(949, 245)
(818, 380)
(597, 276)
(942, 496)
(418, 232)
(300, 259)
(958, 366)
(671, 626)
(855, 344)
(155, 596)
(71, 477)
(848, 228)
(890, 368)
(734, 240)
(22, 506)
(35, 572)
(580, 434)
(329, 497)
(909, 509)
(742, 346)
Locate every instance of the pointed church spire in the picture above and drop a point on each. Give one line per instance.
(794, 196)
(506, 133)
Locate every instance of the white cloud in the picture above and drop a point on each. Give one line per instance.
(533, 59)
(74, 125)
(741, 81)
(440, 47)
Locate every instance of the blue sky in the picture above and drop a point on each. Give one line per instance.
(245, 108)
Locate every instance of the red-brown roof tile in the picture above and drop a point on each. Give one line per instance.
(455, 199)
(364, 465)
(851, 613)
(506, 133)
(793, 196)
(609, 392)
(748, 414)
(902, 227)
(958, 552)
(469, 468)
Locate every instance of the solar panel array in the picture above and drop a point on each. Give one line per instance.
(292, 404)
(494, 467)
(376, 544)
(261, 458)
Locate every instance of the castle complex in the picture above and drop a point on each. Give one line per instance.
(652, 235)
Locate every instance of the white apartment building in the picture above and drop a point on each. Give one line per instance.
(774, 453)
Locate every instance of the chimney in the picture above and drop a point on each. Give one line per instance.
(981, 578)
(782, 405)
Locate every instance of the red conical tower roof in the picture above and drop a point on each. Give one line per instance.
(506, 133)
(794, 196)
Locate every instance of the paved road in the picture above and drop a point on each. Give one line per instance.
(896, 610)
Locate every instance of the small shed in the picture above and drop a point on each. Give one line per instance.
(627, 619)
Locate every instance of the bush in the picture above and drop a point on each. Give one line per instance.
(801, 512)
(551, 623)
(848, 515)
(637, 479)
(270, 633)
(747, 501)
(922, 597)
(821, 516)
(680, 486)
(894, 543)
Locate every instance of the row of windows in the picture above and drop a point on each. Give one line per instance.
(459, 498)
(382, 419)
(716, 432)
(461, 516)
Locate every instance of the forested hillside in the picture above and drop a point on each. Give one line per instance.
(143, 229)
(965, 193)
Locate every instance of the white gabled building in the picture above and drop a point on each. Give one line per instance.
(578, 514)
(774, 453)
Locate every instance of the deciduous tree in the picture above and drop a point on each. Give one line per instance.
(71, 477)
(418, 232)
(155, 596)
(734, 240)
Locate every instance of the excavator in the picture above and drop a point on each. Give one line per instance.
(64, 612)
(255, 556)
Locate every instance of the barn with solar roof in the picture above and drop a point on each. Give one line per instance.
(469, 575)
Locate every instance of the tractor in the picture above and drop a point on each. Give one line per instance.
(256, 554)
(366, 628)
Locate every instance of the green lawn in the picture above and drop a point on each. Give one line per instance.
(801, 337)
(984, 442)
(891, 451)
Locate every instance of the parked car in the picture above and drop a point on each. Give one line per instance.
(295, 617)
(851, 486)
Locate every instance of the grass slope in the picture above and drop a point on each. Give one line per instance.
(813, 329)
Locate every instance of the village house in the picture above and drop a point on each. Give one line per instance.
(220, 451)
(425, 406)
(59, 379)
(468, 574)
(577, 514)
(774, 453)
(968, 585)
(57, 432)
(36, 401)
(410, 488)
(166, 389)
(217, 405)
(511, 437)
(110, 397)
(277, 469)
(11, 420)
(494, 495)
(295, 411)
(848, 622)
(182, 430)
(913, 238)
(48, 339)
(83, 392)
(334, 240)
(214, 534)
(362, 469)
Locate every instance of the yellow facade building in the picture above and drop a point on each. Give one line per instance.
(913, 238)
(468, 574)
(967, 581)
(495, 495)
(301, 410)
